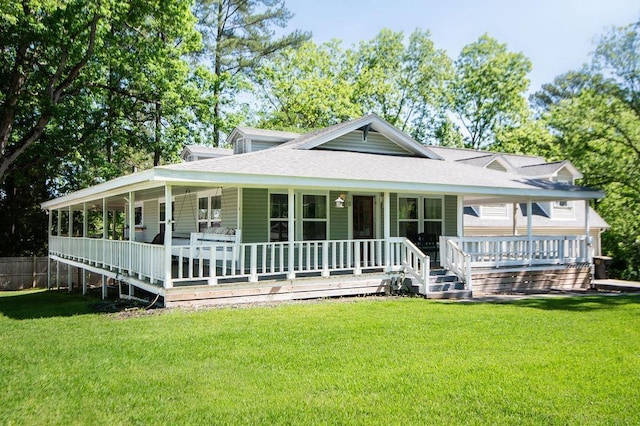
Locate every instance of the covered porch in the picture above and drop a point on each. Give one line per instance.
(215, 255)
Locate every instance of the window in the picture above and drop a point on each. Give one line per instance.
(278, 217)
(314, 217)
(210, 211)
(408, 218)
(138, 215)
(163, 216)
(433, 216)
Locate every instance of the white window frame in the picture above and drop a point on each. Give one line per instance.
(424, 213)
(299, 213)
(421, 213)
(271, 219)
(210, 221)
(173, 217)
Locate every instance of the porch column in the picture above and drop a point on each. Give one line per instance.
(168, 235)
(105, 236)
(291, 233)
(530, 229)
(69, 274)
(387, 229)
(460, 210)
(85, 231)
(50, 224)
(587, 231)
(132, 233)
(59, 242)
(514, 219)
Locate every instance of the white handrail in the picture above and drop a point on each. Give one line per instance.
(417, 264)
(458, 262)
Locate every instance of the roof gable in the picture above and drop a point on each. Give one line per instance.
(378, 136)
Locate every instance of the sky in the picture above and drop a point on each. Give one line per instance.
(556, 35)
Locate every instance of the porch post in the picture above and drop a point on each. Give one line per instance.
(105, 232)
(60, 242)
(85, 231)
(291, 233)
(460, 210)
(387, 230)
(50, 223)
(69, 274)
(530, 229)
(587, 231)
(132, 233)
(168, 235)
(514, 219)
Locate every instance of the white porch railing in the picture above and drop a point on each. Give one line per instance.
(495, 252)
(210, 261)
(417, 264)
(146, 261)
(252, 261)
(456, 260)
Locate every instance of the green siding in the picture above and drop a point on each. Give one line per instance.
(393, 213)
(150, 219)
(230, 207)
(255, 204)
(339, 219)
(185, 211)
(450, 215)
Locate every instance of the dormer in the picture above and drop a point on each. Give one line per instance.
(247, 139)
(201, 152)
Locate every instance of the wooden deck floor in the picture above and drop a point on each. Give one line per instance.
(272, 291)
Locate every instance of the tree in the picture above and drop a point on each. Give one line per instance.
(487, 92)
(238, 35)
(316, 86)
(309, 87)
(89, 91)
(405, 85)
(595, 117)
(78, 68)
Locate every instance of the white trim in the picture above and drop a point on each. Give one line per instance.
(377, 231)
(382, 127)
(288, 219)
(299, 213)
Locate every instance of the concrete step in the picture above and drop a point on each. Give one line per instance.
(446, 286)
(451, 294)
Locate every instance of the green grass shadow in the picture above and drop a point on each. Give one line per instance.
(587, 303)
(45, 304)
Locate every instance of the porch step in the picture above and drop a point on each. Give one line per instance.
(451, 294)
(446, 286)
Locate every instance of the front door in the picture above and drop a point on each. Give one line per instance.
(363, 225)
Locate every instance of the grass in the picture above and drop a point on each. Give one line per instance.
(363, 361)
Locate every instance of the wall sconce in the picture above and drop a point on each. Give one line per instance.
(340, 201)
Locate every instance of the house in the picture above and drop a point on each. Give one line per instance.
(355, 208)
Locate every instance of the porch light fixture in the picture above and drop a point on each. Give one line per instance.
(340, 201)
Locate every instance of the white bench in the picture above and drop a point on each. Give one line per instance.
(218, 245)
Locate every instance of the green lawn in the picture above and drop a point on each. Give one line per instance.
(361, 361)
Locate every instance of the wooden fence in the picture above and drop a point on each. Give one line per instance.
(18, 273)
